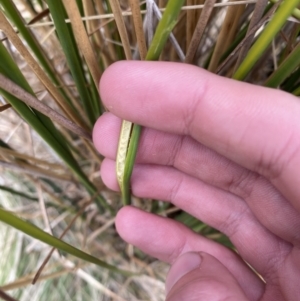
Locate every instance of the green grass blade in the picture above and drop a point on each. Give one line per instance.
(11, 11)
(266, 37)
(297, 91)
(129, 162)
(164, 28)
(18, 193)
(295, 13)
(39, 234)
(285, 69)
(291, 82)
(41, 123)
(74, 61)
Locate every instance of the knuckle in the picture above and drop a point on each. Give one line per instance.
(275, 259)
(176, 252)
(233, 225)
(243, 183)
(272, 164)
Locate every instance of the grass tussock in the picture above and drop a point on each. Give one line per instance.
(53, 54)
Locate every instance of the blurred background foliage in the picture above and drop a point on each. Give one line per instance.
(52, 55)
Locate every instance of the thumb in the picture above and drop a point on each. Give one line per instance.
(200, 276)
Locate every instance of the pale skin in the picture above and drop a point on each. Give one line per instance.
(226, 152)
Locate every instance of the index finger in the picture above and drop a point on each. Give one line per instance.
(253, 126)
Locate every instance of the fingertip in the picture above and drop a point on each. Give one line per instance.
(200, 276)
(105, 135)
(126, 220)
(126, 223)
(108, 174)
(183, 265)
(108, 85)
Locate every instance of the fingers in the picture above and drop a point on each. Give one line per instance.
(200, 276)
(253, 126)
(167, 240)
(219, 209)
(194, 159)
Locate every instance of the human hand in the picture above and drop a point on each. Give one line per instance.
(227, 153)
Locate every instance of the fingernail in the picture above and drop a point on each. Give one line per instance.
(183, 265)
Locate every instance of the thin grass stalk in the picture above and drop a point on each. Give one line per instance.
(73, 58)
(39, 234)
(226, 35)
(164, 28)
(178, 32)
(296, 92)
(13, 89)
(37, 120)
(80, 212)
(138, 26)
(14, 38)
(42, 124)
(199, 30)
(241, 39)
(115, 6)
(161, 3)
(12, 12)
(295, 12)
(292, 82)
(110, 15)
(266, 37)
(82, 39)
(87, 51)
(176, 47)
(33, 160)
(256, 16)
(107, 33)
(6, 297)
(18, 193)
(198, 11)
(5, 107)
(26, 280)
(285, 69)
(190, 23)
(37, 171)
(291, 42)
(38, 17)
(149, 21)
(93, 28)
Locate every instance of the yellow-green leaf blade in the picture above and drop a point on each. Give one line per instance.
(266, 37)
(39, 234)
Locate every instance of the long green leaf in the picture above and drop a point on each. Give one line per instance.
(18, 193)
(297, 91)
(164, 28)
(291, 82)
(266, 37)
(11, 11)
(295, 13)
(285, 69)
(39, 234)
(41, 123)
(70, 49)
